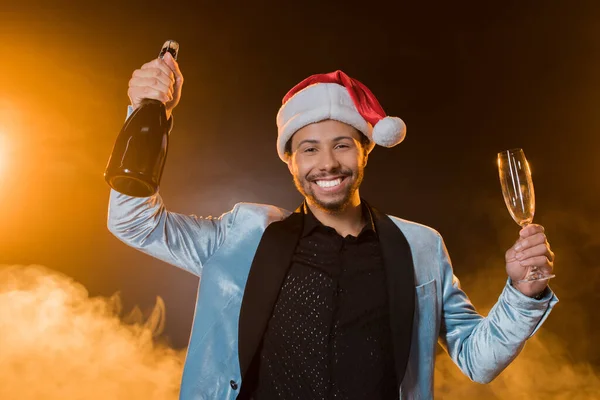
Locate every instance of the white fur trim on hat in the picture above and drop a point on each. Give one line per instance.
(317, 103)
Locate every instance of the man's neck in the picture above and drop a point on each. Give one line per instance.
(349, 221)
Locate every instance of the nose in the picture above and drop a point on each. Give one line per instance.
(328, 161)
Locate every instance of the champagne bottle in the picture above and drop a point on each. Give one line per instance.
(138, 157)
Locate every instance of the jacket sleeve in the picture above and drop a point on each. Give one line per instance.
(186, 241)
(483, 346)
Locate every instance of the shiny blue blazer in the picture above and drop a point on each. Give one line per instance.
(242, 256)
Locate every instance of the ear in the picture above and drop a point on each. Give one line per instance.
(289, 164)
(365, 154)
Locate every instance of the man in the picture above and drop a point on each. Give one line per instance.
(337, 299)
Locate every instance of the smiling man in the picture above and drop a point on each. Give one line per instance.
(336, 300)
(327, 163)
(334, 143)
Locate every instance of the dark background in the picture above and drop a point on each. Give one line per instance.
(469, 79)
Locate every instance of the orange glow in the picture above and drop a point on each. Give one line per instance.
(62, 102)
(543, 370)
(57, 343)
(8, 117)
(3, 153)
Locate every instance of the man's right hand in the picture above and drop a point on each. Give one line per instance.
(158, 79)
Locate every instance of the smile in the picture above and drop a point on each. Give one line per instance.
(329, 183)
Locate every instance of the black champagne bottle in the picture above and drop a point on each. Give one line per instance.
(138, 157)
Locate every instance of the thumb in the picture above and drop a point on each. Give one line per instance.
(172, 64)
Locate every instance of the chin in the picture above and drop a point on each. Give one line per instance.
(332, 205)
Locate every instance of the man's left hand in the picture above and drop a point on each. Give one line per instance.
(531, 249)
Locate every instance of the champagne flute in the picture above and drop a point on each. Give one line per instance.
(519, 196)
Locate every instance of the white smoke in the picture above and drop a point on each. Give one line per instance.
(544, 369)
(553, 365)
(58, 343)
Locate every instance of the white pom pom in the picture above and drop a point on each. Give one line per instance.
(389, 131)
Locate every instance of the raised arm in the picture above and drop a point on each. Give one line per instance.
(185, 241)
(483, 346)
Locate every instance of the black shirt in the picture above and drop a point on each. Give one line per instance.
(329, 335)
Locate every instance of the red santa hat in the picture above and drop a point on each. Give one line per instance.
(336, 96)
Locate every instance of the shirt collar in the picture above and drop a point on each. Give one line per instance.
(311, 222)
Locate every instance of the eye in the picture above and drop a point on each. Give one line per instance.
(309, 150)
(341, 146)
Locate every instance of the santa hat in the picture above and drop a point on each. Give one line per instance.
(336, 96)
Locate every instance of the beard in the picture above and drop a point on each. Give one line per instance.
(342, 200)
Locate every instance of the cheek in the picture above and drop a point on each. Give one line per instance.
(302, 167)
(353, 161)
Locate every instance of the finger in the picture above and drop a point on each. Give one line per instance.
(146, 92)
(173, 66)
(530, 230)
(531, 241)
(539, 261)
(535, 251)
(152, 82)
(154, 73)
(158, 63)
(163, 73)
(511, 252)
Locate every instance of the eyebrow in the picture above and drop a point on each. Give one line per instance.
(314, 141)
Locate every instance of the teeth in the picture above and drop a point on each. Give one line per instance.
(328, 184)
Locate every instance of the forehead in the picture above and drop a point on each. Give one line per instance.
(324, 131)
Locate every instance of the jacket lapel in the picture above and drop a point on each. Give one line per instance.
(399, 269)
(269, 268)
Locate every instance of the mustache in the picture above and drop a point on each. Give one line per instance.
(338, 172)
